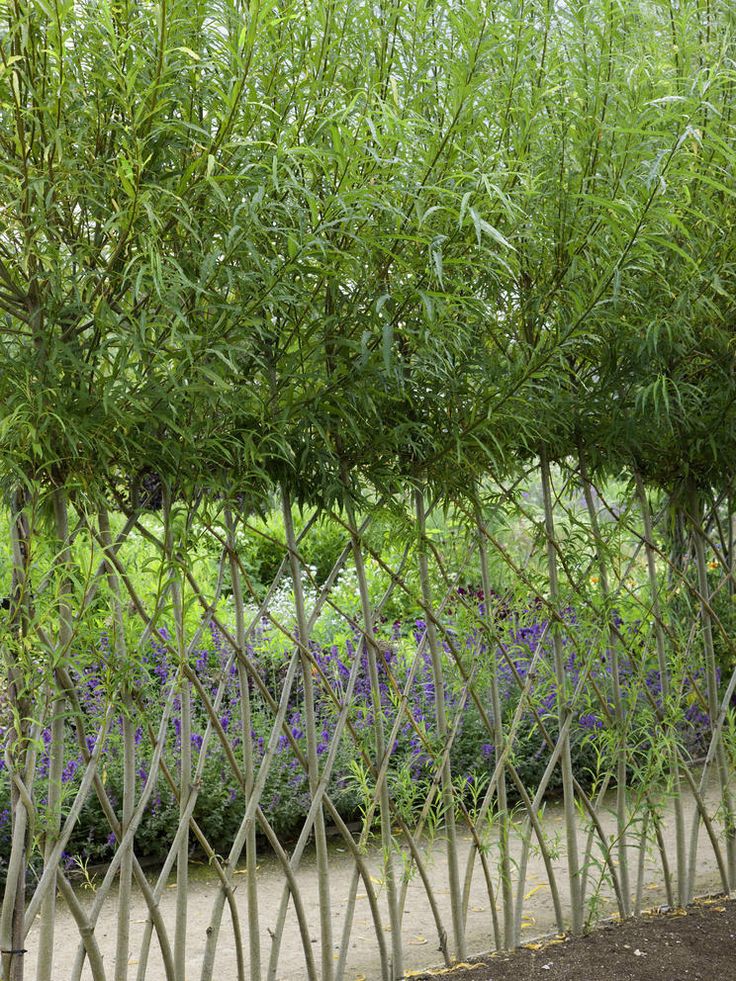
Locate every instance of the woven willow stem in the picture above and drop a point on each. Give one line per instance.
(683, 896)
(11, 922)
(86, 929)
(48, 877)
(122, 950)
(502, 760)
(268, 698)
(397, 970)
(251, 857)
(185, 737)
(448, 797)
(498, 738)
(342, 720)
(662, 849)
(531, 809)
(13, 905)
(320, 797)
(564, 708)
(695, 519)
(620, 721)
(91, 766)
(44, 964)
(125, 845)
(402, 711)
(589, 840)
(100, 573)
(323, 863)
(248, 820)
(641, 865)
(554, 748)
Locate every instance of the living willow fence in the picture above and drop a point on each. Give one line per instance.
(456, 272)
(646, 772)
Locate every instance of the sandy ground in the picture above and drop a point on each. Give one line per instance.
(419, 935)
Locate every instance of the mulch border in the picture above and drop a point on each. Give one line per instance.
(548, 941)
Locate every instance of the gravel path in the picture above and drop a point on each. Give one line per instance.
(419, 936)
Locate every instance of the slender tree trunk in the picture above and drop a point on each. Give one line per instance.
(730, 556)
(448, 797)
(44, 968)
(563, 706)
(21, 751)
(254, 940)
(185, 740)
(11, 924)
(619, 713)
(664, 676)
(499, 741)
(323, 865)
(122, 950)
(86, 932)
(397, 970)
(711, 673)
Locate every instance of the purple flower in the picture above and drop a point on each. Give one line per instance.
(69, 770)
(548, 702)
(591, 721)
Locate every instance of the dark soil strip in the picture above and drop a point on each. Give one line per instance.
(696, 944)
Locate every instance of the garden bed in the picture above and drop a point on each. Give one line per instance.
(693, 944)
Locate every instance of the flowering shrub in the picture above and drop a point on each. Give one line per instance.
(517, 636)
